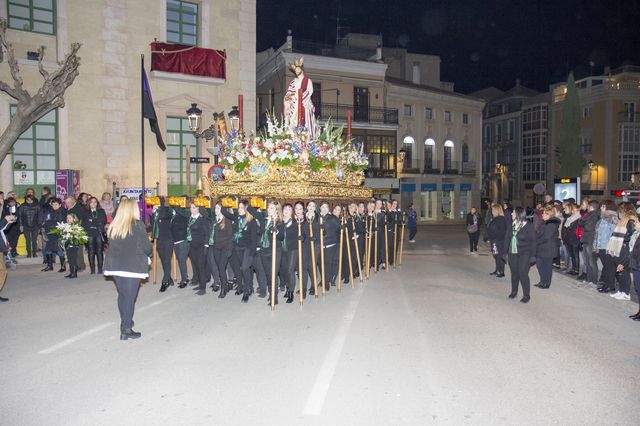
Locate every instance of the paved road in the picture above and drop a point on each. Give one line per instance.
(436, 342)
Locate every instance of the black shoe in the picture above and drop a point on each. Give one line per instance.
(238, 291)
(201, 292)
(500, 275)
(494, 273)
(163, 287)
(3, 299)
(182, 284)
(513, 295)
(245, 298)
(223, 292)
(63, 268)
(269, 302)
(525, 299)
(634, 316)
(637, 319)
(572, 273)
(262, 294)
(129, 334)
(545, 286)
(290, 297)
(47, 268)
(606, 290)
(538, 285)
(582, 277)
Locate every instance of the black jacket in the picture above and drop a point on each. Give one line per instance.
(625, 254)
(222, 237)
(634, 258)
(162, 222)
(547, 239)
(470, 217)
(496, 230)
(526, 239)
(249, 233)
(94, 222)
(291, 235)
(79, 211)
(200, 231)
(129, 254)
(588, 224)
(29, 215)
(331, 230)
(179, 227)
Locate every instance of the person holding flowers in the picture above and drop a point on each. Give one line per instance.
(73, 236)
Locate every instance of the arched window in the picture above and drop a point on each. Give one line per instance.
(429, 154)
(448, 154)
(407, 146)
(465, 153)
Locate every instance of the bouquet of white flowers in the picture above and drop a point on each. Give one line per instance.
(72, 233)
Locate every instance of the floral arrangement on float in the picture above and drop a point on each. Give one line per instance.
(284, 146)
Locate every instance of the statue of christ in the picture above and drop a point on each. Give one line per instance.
(298, 108)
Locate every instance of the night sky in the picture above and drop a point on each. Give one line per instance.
(481, 42)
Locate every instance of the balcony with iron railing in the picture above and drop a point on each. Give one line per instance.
(359, 114)
(438, 167)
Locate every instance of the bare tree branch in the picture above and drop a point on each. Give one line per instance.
(19, 92)
(43, 72)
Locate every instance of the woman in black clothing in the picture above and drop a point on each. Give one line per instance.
(313, 231)
(220, 241)
(72, 250)
(330, 227)
(496, 230)
(300, 218)
(289, 249)
(634, 264)
(520, 245)
(547, 246)
(198, 230)
(268, 225)
(29, 221)
(179, 225)
(51, 217)
(161, 233)
(244, 248)
(94, 222)
(473, 229)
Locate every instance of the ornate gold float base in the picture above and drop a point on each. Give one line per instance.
(289, 190)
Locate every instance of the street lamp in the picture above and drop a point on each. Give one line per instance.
(591, 164)
(194, 114)
(234, 119)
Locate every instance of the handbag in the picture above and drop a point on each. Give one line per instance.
(472, 228)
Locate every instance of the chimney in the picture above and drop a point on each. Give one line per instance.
(289, 41)
(379, 52)
(416, 73)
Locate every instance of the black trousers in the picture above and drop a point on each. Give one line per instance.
(473, 240)
(222, 260)
(574, 254)
(266, 256)
(95, 249)
(199, 265)
(624, 279)
(282, 274)
(412, 232)
(519, 265)
(608, 269)
(499, 260)
(212, 265)
(545, 269)
(330, 265)
(182, 252)
(13, 234)
(310, 263)
(31, 240)
(291, 257)
(72, 255)
(165, 252)
(241, 264)
(127, 295)
(261, 275)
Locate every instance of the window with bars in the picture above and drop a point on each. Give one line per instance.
(428, 113)
(35, 154)
(179, 136)
(183, 22)
(37, 16)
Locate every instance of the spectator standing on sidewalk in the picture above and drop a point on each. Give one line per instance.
(412, 222)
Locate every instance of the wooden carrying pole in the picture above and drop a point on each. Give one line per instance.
(386, 242)
(322, 258)
(340, 261)
(273, 272)
(401, 242)
(369, 236)
(300, 262)
(155, 260)
(175, 267)
(395, 244)
(346, 232)
(375, 248)
(313, 260)
(355, 244)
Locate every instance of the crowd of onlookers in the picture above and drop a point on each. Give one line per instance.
(594, 242)
(34, 216)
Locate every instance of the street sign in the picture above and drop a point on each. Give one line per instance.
(199, 160)
(539, 188)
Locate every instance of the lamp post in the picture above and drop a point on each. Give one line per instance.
(594, 166)
(234, 119)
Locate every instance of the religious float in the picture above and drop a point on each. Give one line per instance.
(292, 159)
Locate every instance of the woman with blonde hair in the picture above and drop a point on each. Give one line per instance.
(127, 261)
(618, 248)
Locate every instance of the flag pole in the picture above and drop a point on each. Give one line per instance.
(144, 202)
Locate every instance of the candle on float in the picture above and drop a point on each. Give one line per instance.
(349, 125)
(240, 109)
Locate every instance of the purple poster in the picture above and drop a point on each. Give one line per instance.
(62, 184)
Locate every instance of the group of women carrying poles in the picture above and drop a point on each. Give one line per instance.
(282, 245)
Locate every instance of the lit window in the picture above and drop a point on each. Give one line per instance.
(408, 140)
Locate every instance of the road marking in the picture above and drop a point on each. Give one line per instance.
(75, 338)
(94, 330)
(318, 394)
